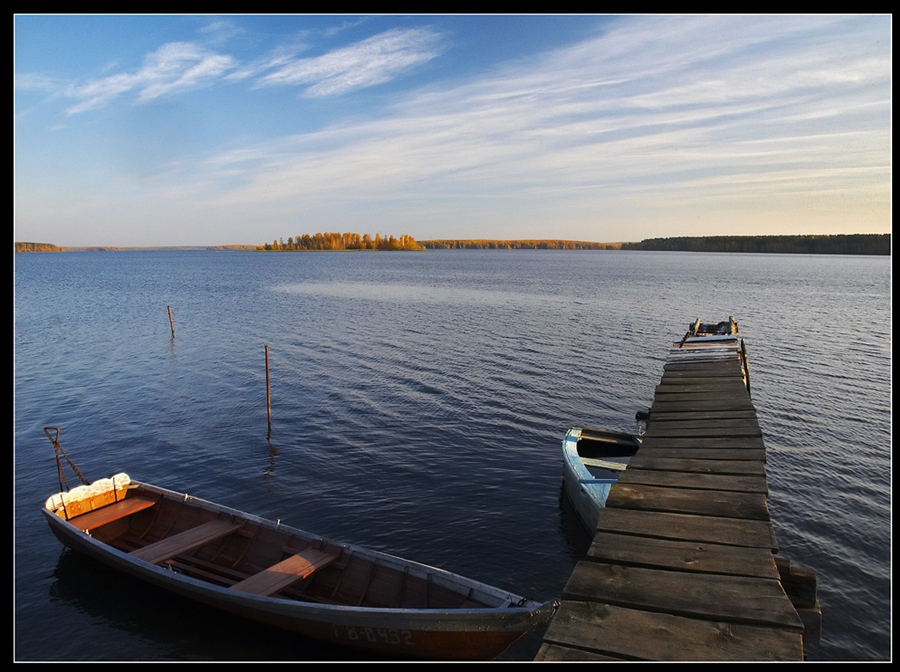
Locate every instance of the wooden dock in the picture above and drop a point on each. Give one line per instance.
(683, 565)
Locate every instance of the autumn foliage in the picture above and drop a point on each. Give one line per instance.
(342, 241)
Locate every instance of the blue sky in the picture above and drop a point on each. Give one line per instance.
(210, 130)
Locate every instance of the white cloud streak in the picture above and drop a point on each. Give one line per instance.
(609, 111)
(661, 120)
(177, 66)
(372, 61)
(185, 66)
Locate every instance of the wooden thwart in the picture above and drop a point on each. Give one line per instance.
(603, 464)
(112, 512)
(285, 573)
(186, 541)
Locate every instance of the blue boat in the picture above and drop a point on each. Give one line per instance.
(593, 460)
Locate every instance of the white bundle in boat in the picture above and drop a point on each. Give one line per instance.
(86, 497)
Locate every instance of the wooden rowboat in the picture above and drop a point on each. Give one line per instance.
(592, 462)
(289, 578)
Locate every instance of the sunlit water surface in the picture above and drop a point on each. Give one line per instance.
(418, 401)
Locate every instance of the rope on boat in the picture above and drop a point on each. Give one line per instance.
(63, 484)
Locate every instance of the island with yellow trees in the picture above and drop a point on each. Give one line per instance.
(341, 241)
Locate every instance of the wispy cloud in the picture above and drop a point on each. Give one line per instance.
(185, 66)
(372, 61)
(28, 81)
(606, 121)
(660, 123)
(176, 66)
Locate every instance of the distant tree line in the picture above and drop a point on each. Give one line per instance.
(838, 244)
(517, 245)
(342, 241)
(37, 247)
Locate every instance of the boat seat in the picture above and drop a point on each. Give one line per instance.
(285, 573)
(189, 540)
(111, 512)
(604, 464)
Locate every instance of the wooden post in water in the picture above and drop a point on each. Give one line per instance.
(695, 328)
(171, 323)
(268, 395)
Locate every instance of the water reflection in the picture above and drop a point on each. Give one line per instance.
(431, 294)
(160, 626)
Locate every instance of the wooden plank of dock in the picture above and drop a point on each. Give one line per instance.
(682, 565)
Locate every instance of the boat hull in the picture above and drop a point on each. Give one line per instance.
(451, 634)
(585, 489)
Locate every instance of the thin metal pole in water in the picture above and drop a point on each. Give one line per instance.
(268, 395)
(171, 323)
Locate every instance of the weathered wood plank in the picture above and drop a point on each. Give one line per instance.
(704, 442)
(722, 427)
(724, 370)
(689, 527)
(719, 369)
(730, 386)
(677, 380)
(682, 564)
(734, 390)
(653, 460)
(688, 556)
(727, 373)
(709, 596)
(690, 482)
(700, 373)
(737, 401)
(711, 453)
(687, 430)
(704, 357)
(700, 404)
(556, 653)
(735, 394)
(727, 414)
(712, 348)
(620, 632)
(714, 503)
(711, 338)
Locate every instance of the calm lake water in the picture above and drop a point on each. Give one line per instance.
(418, 404)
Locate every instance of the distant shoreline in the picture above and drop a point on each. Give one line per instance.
(878, 244)
(48, 247)
(857, 243)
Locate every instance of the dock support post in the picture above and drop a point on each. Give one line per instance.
(268, 395)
